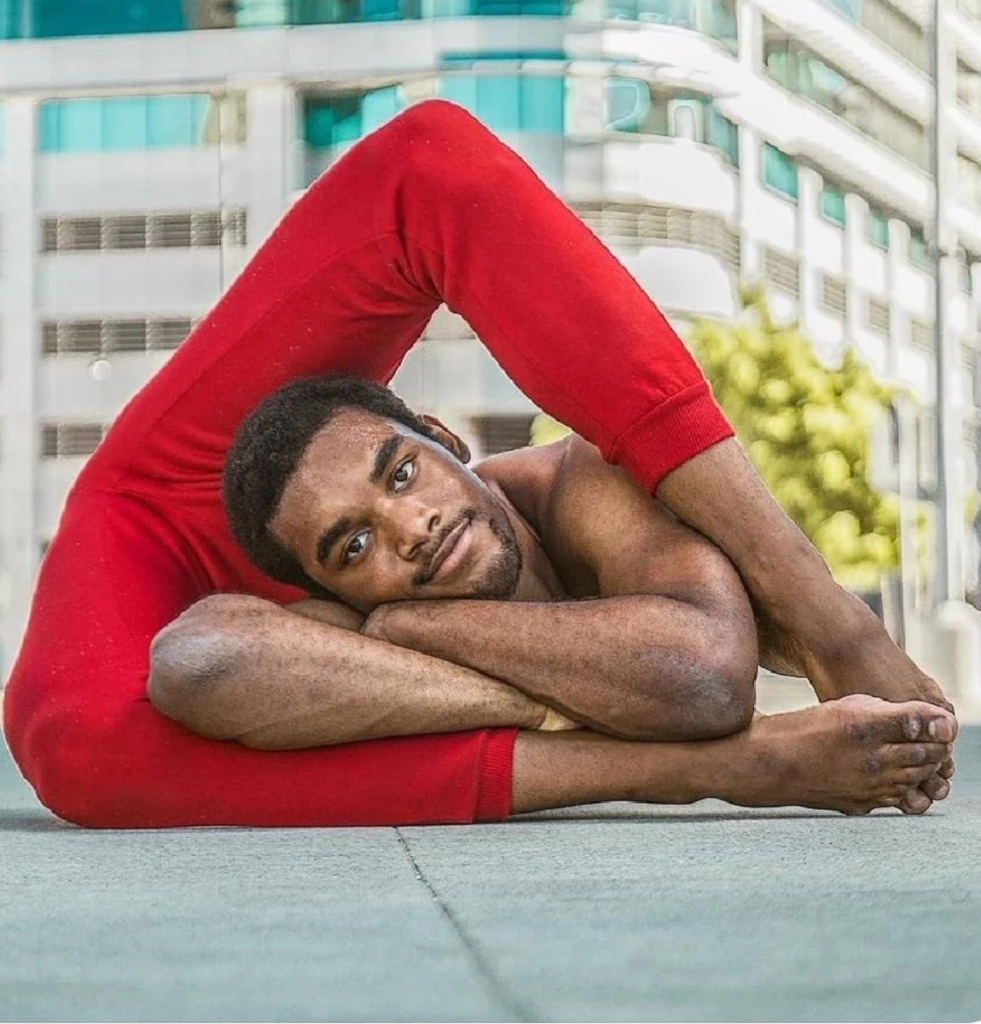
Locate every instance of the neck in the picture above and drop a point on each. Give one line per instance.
(538, 580)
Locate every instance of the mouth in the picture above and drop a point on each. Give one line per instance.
(450, 552)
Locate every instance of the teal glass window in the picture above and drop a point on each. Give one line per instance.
(505, 103)
(851, 9)
(628, 102)
(779, 171)
(52, 18)
(723, 135)
(967, 281)
(116, 123)
(833, 203)
(878, 228)
(919, 250)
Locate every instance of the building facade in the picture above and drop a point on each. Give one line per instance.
(147, 148)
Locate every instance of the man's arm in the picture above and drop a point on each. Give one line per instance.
(239, 667)
(666, 652)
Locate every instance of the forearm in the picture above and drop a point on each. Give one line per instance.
(258, 673)
(720, 494)
(638, 666)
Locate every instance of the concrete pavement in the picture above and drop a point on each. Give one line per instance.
(619, 912)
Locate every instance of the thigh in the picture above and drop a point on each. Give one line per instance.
(81, 728)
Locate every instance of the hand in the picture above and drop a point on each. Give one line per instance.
(377, 623)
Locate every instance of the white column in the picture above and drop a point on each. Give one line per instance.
(899, 329)
(808, 197)
(273, 155)
(18, 357)
(856, 219)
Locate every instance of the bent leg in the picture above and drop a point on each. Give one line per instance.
(81, 728)
(851, 755)
(432, 207)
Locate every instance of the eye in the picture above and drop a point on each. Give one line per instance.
(409, 464)
(351, 551)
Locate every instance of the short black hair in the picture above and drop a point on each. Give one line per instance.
(267, 449)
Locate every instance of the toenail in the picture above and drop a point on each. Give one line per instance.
(913, 726)
(932, 729)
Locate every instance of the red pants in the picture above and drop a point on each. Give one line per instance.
(430, 208)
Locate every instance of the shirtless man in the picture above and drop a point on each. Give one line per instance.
(454, 599)
(432, 208)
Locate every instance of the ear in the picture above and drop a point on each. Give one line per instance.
(447, 438)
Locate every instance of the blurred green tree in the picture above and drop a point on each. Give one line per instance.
(806, 427)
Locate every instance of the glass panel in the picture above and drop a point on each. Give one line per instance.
(104, 17)
(124, 123)
(379, 106)
(249, 13)
(718, 19)
(833, 204)
(878, 228)
(499, 102)
(175, 120)
(543, 103)
(919, 251)
(723, 135)
(79, 125)
(851, 9)
(779, 171)
(680, 13)
(460, 89)
(628, 101)
(49, 132)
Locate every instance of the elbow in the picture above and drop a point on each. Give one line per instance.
(187, 662)
(712, 694)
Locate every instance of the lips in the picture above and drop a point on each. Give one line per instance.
(445, 549)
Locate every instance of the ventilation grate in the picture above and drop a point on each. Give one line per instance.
(104, 337)
(502, 433)
(878, 316)
(921, 334)
(200, 229)
(781, 270)
(834, 295)
(66, 440)
(641, 224)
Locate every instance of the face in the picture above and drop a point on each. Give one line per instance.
(375, 512)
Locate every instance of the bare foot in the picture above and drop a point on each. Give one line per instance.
(859, 657)
(851, 755)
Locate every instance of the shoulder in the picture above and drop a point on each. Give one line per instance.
(629, 541)
(527, 476)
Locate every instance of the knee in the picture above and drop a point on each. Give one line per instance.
(60, 757)
(444, 143)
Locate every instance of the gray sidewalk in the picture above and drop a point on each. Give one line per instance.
(612, 913)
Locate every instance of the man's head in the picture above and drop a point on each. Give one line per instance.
(335, 485)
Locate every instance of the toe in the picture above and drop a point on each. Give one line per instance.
(906, 755)
(917, 720)
(935, 787)
(915, 802)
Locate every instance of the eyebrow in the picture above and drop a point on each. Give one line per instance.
(383, 457)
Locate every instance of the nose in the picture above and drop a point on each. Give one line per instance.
(417, 528)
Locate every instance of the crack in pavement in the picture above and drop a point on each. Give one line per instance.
(517, 1010)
